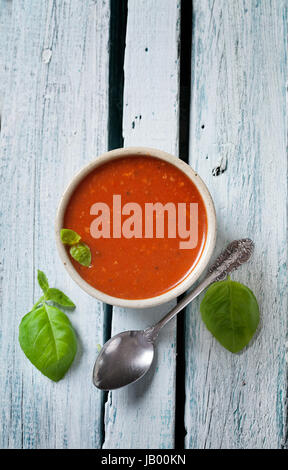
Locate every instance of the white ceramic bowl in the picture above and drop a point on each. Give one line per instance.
(191, 277)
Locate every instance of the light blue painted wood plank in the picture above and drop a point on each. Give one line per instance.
(5, 26)
(54, 121)
(142, 415)
(239, 72)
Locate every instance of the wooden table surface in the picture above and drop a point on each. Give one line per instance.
(64, 99)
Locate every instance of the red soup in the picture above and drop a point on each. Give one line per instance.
(140, 264)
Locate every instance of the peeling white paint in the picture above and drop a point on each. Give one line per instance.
(38, 162)
(239, 73)
(46, 56)
(142, 416)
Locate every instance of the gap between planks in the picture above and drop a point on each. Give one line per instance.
(117, 36)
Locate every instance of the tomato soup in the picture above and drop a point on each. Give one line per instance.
(135, 267)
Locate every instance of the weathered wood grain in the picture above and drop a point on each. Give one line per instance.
(5, 24)
(53, 102)
(142, 415)
(54, 120)
(239, 73)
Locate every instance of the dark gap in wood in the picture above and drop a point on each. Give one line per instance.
(185, 78)
(107, 312)
(117, 40)
(118, 24)
(184, 130)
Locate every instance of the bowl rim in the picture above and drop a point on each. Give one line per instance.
(183, 285)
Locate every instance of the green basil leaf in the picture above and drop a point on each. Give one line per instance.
(38, 304)
(48, 340)
(81, 253)
(69, 237)
(42, 281)
(231, 313)
(59, 297)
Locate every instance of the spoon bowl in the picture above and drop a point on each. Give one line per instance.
(124, 359)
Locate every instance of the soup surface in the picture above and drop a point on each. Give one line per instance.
(135, 268)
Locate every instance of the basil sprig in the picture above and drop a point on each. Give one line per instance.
(231, 313)
(46, 335)
(78, 250)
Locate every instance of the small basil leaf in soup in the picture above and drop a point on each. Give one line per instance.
(42, 281)
(69, 237)
(231, 313)
(57, 296)
(48, 340)
(81, 253)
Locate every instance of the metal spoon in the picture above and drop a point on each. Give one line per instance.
(127, 356)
